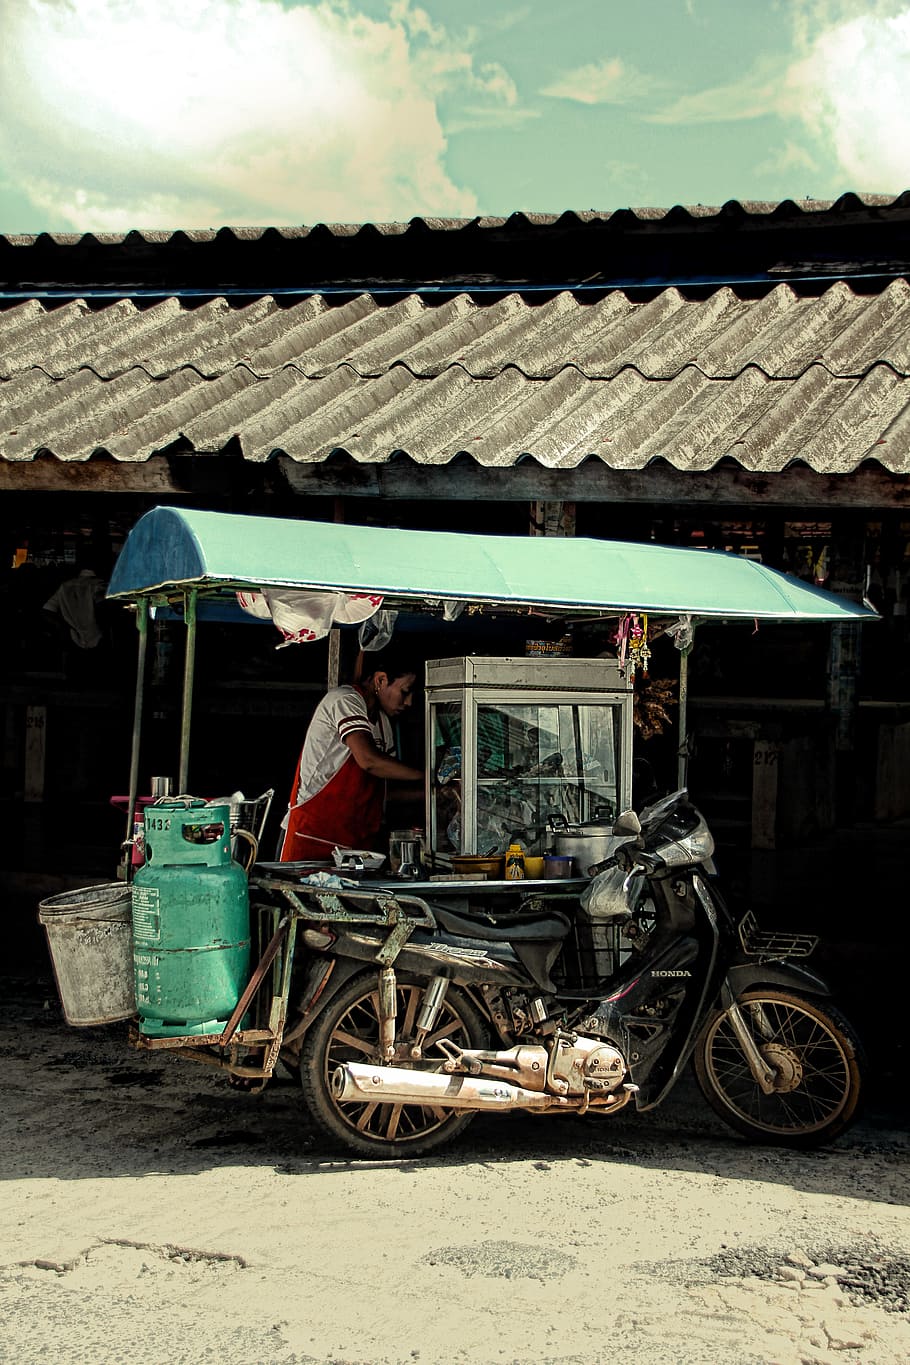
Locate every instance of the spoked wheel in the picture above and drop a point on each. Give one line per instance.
(817, 1061)
(348, 1031)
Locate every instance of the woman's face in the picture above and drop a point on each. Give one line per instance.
(395, 694)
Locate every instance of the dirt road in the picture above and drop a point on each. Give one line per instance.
(151, 1214)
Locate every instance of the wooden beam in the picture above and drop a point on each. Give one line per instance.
(868, 488)
(50, 475)
(660, 484)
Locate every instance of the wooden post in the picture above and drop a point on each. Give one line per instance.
(847, 577)
(765, 775)
(35, 752)
(334, 668)
(551, 518)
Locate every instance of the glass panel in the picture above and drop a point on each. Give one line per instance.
(445, 831)
(536, 760)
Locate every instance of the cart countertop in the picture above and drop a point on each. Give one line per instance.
(298, 872)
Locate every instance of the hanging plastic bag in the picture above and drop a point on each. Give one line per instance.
(377, 630)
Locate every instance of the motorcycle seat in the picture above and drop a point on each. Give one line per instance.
(513, 929)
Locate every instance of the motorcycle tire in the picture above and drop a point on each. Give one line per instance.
(818, 1058)
(347, 1030)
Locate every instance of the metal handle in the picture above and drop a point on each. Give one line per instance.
(254, 847)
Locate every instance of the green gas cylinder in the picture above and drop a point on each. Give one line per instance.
(191, 921)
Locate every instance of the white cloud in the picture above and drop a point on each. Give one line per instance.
(141, 113)
(787, 158)
(809, 18)
(853, 90)
(845, 81)
(608, 81)
(755, 93)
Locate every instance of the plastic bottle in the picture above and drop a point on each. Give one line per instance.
(515, 863)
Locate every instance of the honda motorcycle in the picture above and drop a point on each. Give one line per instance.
(410, 1023)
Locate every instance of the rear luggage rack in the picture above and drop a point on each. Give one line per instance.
(773, 942)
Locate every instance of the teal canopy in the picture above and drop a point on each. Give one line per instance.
(170, 550)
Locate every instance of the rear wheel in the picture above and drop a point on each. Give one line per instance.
(817, 1060)
(348, 1031)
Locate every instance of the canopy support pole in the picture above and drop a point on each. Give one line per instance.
(334, 667)
(682, 768)
(189, 669)
(142, 625)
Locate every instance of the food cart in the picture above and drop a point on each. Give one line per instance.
(526, 739)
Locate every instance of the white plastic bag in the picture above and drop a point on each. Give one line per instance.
(604, 898)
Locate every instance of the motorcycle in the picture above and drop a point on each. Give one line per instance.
(462, 1015)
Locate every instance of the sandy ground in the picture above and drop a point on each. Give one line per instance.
(153, 1214)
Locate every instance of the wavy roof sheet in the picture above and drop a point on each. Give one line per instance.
(747, 243)
(782, 334)
(766, 382)
(733, 209)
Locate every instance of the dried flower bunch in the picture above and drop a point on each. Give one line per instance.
(653, 698)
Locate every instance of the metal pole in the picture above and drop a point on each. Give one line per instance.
(334, 669)
(189, 667)
(683, 751)
(142, 625)
(333, 677)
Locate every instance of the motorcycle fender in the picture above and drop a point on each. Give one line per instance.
(344, 969)
(746, 976)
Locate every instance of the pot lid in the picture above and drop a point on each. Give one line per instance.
(601, 825)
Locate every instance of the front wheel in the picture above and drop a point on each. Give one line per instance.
(348, 1031)
(817, 1059)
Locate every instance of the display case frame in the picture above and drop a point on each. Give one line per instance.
(462, 689)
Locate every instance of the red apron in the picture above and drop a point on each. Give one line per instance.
(348, 811)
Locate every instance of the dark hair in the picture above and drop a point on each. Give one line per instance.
(390, 661)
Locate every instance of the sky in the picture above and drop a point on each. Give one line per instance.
(120, 114)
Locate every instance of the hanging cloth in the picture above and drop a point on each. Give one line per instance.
(303, 617)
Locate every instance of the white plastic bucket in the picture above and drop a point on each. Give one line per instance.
(90, 939)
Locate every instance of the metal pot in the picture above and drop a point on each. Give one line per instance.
(588, 842)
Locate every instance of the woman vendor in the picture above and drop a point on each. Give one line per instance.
(347, 757)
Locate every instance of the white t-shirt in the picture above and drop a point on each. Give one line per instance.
(340, 713)
(76, 600)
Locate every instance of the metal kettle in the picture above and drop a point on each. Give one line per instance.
(406, 850)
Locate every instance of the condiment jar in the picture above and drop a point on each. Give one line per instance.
(515, 863)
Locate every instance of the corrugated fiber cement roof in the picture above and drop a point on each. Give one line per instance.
(767, 381)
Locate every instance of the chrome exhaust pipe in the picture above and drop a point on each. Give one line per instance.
(355, 1081)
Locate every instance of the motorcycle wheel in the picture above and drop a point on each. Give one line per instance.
(819, 1063)
(347, 1030)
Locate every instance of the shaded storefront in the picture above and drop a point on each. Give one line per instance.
(729, 378)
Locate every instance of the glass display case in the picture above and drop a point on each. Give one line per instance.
(512, 741)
